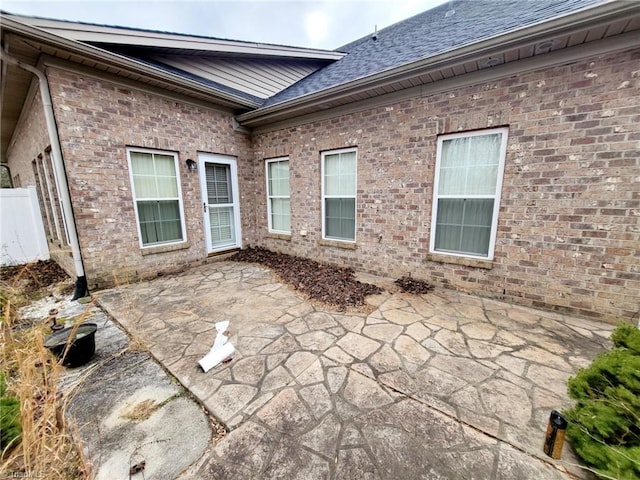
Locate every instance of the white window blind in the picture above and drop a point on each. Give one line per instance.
(278, 196)
(218, 184)
(157, 197)
(469, 171)
(339, 194)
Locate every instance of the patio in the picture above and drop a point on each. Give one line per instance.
(443, 385)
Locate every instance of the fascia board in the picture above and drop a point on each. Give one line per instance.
(116, 60)
(580, 19)
(147, 38)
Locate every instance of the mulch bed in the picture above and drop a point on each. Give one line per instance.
(329, 284)
(32, 277)
(413, 285)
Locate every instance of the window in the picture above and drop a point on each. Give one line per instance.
(339, 195)
(55, 224)
(157, 196)
(5, 177)
(469, 168)
(278, 202)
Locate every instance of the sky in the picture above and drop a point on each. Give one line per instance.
(325, 24)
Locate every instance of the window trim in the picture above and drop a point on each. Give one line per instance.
(436, 185)
(179, 196)
(269, 197)
(323, 155)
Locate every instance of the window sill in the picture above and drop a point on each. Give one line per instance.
(279, 236)
(223, 252)
(464, 261)
(337, 244)
(164, 248)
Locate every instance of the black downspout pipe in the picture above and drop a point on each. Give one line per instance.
(82, 289)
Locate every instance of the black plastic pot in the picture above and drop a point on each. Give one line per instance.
(82, 347)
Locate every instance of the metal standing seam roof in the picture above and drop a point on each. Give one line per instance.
(427, 34)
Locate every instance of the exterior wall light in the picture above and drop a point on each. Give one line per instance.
(191, 165)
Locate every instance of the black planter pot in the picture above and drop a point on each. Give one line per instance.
(82, 347)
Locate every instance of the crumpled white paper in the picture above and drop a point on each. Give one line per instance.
(221, 350)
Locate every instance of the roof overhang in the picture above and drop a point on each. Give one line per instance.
(32, 45)
(130, 37)
(32, 40)
(604, 21)
(45, 42)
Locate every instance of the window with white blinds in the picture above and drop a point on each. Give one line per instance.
(218, 184)
(339, 195)
(468, 180)
(278, 197)
(157, 196)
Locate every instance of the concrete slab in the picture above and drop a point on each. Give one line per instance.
(442, 385)
(126, 408)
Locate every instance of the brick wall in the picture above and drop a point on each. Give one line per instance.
(569, 224)
(30, 140)
(97, 121)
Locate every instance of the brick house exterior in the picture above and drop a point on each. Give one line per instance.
(96, 125)
(96, 122)
(567, 236)
(569, 209)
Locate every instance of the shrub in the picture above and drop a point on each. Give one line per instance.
(9, 417)
(604, 424)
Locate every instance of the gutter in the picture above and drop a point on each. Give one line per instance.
(60, 173)
(90, 32)
(580, 19)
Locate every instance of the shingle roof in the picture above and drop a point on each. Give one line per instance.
(428, 34)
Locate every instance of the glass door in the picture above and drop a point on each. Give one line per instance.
(218, 175)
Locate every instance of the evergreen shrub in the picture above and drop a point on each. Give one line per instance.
(604, 424)
(9, 417)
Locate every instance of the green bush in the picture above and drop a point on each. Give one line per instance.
(9, 417)
(604, 424)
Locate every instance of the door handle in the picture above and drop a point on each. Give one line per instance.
(204, 206)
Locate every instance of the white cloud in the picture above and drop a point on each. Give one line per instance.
(306, 23)
(316, 24)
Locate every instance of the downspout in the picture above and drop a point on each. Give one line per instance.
(58, 165)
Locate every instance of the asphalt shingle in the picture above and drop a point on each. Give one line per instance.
(429, 34)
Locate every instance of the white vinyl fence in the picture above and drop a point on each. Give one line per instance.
(22, 237)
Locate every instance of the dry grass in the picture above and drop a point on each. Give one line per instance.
(142, 410)
(46, 448)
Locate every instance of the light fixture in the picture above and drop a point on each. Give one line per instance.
(191, 165)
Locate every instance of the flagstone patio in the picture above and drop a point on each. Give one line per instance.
(442, 385)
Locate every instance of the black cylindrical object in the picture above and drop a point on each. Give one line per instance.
(82, 345)
(81, 288)
(554, 439)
